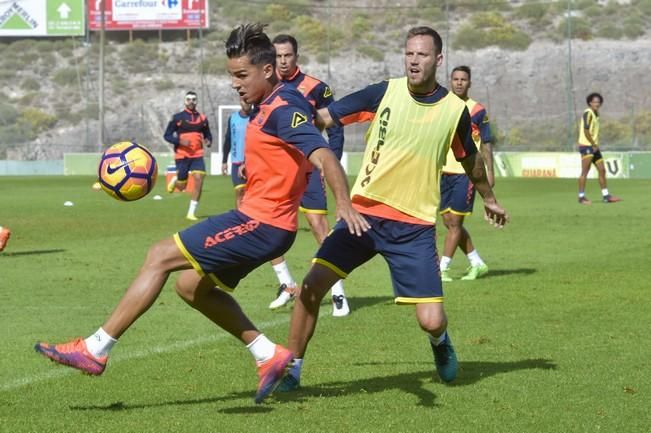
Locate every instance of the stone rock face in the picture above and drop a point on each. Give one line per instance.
(515, 86)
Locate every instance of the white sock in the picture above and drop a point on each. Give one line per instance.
(445, 263)
(438, 340)
(604, 192)
(193, 207)
(283, 274)
(581, 194)
(262, 348)
(295, 370)
(100, 343)
(338, 288)
(474, 259)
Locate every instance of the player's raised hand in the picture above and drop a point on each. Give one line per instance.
(357, 224)
(495, 214)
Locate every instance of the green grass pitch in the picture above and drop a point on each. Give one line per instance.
(555, 339)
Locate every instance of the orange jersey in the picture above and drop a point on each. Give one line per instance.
(279, 139)
(186, 131)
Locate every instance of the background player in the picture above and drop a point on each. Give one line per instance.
(314, 204)
(215, 254)
(589, 149)
(5, 234)
(234, 146)
(414, 123)
(189, 132)
(457, 191)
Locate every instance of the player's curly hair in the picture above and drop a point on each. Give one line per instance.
(593, 95)
(251, 40)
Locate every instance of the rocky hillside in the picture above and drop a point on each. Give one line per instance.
(49, 88)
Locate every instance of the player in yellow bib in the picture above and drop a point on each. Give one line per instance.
(589, 149)
(414, 122)
(457, 191)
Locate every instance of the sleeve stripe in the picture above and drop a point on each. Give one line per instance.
(362, 116)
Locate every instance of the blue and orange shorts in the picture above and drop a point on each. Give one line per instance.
(229, 246)
(314, 198)
(457, 194)
(409, 250)
(589, 152)
(238, 182)
(189, 165)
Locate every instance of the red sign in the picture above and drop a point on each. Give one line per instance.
(148, 14)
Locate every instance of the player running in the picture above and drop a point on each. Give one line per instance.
(414, 122)
(189, 132)
(215, 254)
(457, 191)
(313, 204)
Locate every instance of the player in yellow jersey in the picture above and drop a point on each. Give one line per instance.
(414, 122)
(457, 191)
(589, 149)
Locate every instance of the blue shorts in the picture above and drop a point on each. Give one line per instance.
(189, 165)
(314, 199)
(589, 152)
(457, 194)
(227, 247)
(238, 182)
(409, 250)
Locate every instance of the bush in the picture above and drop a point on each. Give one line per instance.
(486, 29)
(119, 85)
(360, 25)
(23, 45)
(311, 32)
(584, 4)
(592, 11)
(30, 84)
(37, 120)
(214, 65)
(8, 114)
(164, 84)
(580, 28)
(644, 6)
(29, 98)
(633, 27)
(531, 11)
(139, 56)
(66, 77)
(371, 52)
(610, 31)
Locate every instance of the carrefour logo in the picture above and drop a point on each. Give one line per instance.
(170, 4)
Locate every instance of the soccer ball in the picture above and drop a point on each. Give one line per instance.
(127, 171)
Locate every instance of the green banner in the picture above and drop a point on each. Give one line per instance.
(42, 18)
(556, 164)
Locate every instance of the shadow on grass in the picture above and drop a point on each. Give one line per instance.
(359, 302)
(502, 272)
(410, 383)
(30, 253)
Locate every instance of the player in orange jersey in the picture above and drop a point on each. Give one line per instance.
(282, 146)
(189, 132)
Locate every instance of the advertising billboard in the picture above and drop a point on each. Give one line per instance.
(148, 14)
(26, 18)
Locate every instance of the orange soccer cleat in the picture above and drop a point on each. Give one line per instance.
(271, 372)
(5, 234)
(73, 354)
